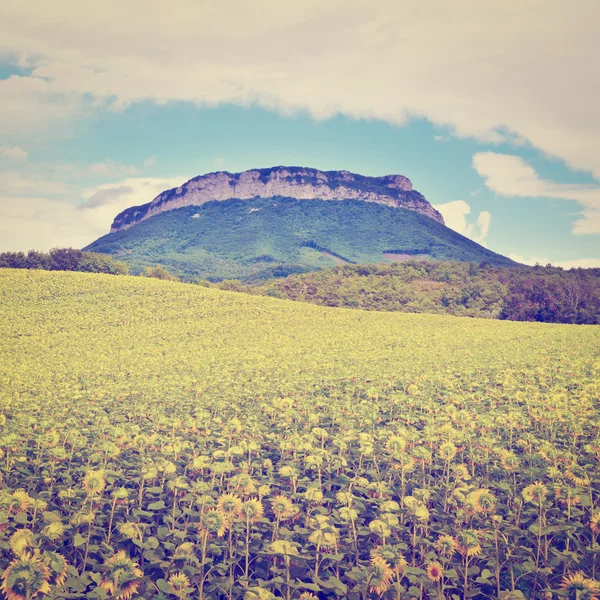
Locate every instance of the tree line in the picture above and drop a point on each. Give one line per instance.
(518, 293)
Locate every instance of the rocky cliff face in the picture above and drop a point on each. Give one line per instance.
(290, 182)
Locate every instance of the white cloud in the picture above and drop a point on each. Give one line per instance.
(584, 263)
(29, 220)
(13, 152)
(150, 161)
(455, 215)
(509, 175)
(480, 69)
(113, 169)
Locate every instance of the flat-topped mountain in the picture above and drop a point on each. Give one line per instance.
(268, 223)
(300, 183)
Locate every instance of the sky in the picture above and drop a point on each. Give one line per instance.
(492, 109)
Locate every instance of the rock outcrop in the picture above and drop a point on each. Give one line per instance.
(290, 182)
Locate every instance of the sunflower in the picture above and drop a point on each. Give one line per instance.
(120, 495)
(184, 551)
(468, 543)
(313, 495)
(577, 475)
(461, 472)
(121, 576)
(435, 571)
(214, 522)
(308, 596)
(20, 541)
(244, 484)
(392, 555)
(481, 501)
(395, 444)
(536, 492)
(94, 482)
(446, 545)
(380, 575)
(282, 507)
(57, 566)
(577, 585)
(53, 531)
(252, 510)
(509, 460)
(447, 451)
(19, 502)
(324, 535)
(25, 577)
(178, 585)
(130, 530)
(229, 505)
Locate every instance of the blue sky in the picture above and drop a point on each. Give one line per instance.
(517, 170)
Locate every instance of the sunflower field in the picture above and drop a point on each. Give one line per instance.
(160, 440)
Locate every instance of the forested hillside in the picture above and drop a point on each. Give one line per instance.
(519, 293)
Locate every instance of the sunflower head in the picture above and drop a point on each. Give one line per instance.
(446, 545)
(580, 587)
(122, 577)
(536, 492)
(25, 577)
(130, 530)
(392, 555)
(313, 496)
(468, 543)
(481, 501)
(53, 531)
(447, 451)
(19, 501)
(380, 575)
(185, 551)
(229, 505)
(283, 507)
(435, 571)
(179, 585)
(20, 541)
(94, 483)
(577, 475)
(57, 567)
(461, 472)
(214, 522)
(252, 510)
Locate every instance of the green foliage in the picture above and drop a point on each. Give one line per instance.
(160, 272)
(259, 239)
(63, 259)
(163, 440)
(464, 289)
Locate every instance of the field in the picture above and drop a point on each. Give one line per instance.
(162, 440)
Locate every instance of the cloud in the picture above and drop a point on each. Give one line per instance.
(583, 263)
(509, 175)
(468, 66)
(13, 152)
(455, 215)
(150, 161)
(29, 220)
(113, 169)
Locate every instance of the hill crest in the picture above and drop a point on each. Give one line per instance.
(300, 183)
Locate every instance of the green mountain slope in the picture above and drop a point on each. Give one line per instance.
(266, 237)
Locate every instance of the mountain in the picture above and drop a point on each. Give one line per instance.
(307, 220)
(288, 182)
